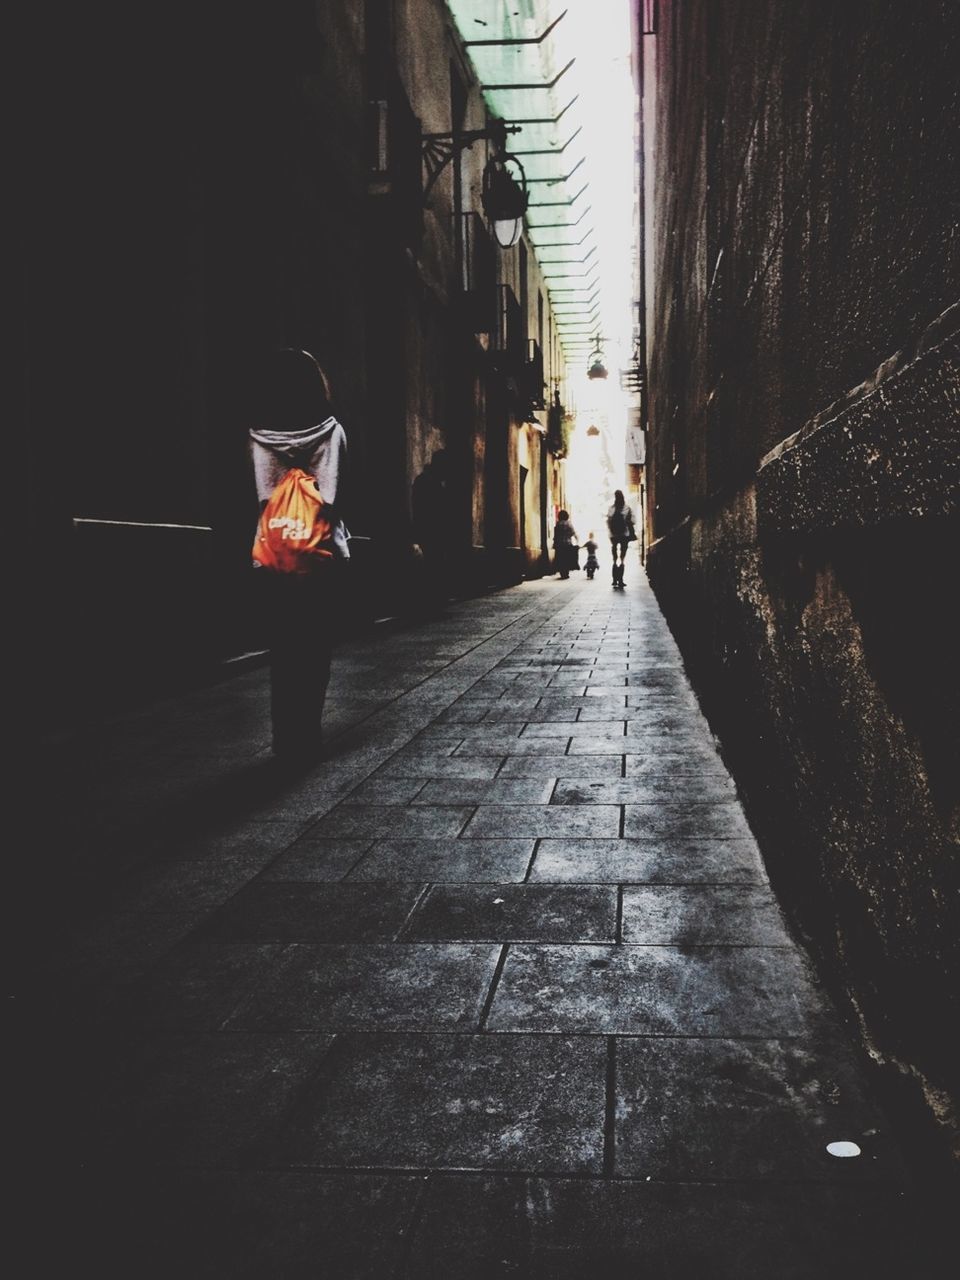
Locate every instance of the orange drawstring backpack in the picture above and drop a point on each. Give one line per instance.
(294, 533)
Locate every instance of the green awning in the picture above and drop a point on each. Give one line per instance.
(534, 80)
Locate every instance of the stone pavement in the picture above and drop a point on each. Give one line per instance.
(497, 989)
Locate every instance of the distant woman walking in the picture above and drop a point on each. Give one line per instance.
(298, 430)
(622, 533)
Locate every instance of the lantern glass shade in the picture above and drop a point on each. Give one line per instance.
(597, 370)
(504, 198)
(507, 231)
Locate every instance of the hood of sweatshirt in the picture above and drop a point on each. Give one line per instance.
(293, 445)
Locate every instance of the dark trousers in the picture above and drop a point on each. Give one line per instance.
(568, 557)
(301, 615)
(618, 545)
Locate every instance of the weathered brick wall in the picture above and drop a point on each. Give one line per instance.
(803, 464)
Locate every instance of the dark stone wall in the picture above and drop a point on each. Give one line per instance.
(803, 468)
(194, 177)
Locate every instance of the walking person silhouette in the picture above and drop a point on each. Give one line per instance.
(622, 533)
(297, 429)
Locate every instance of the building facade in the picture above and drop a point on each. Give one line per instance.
(803, 187)
(207, 187)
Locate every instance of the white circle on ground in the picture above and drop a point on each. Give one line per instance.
(843, 1149)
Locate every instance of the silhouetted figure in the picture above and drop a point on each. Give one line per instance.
(622, 533)
(565, 545)
(430, 501)
(592, 564)
(297, 428)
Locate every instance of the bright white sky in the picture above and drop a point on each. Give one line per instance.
(598, 33)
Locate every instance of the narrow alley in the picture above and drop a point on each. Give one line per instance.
(401, 899)
(497, 988)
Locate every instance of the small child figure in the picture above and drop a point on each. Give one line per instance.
(591, 549)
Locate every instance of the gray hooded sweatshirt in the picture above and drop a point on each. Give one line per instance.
(320, 450)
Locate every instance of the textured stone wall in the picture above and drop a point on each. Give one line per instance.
(804, 467)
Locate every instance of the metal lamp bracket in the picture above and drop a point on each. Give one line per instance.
(438, 149)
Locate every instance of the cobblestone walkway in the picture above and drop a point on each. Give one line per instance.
(499, 988)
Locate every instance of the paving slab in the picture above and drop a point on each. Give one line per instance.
(379, 791)
(516, 913)
(494, 1228)
(557, 766)
(498, 734)
(611, 728)
(387, 987)
(653, 860)
(191, 841)
(642, 990)
(469, 861)
(418, 749)
(671, 763)
(278, 911)
(452, 1102)
(515, 747)
(506, 791)
(188, 886)
(698, 915)
(463, 715)
(386, 820)
(211, 1224)
(612, 704)
(611, 745)
(200, 1100)
(768, 1109)
(709, 821)
(544, 820)
(317, 858)
(198, 985)
(300, 1225)
(646, 789)
(427, 766)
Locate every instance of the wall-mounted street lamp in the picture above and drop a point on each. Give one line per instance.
(504, 197)
(504, 191)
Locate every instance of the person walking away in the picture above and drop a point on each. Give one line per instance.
(590, 546)
(298, 429)
(622, 533)
(565, 545)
